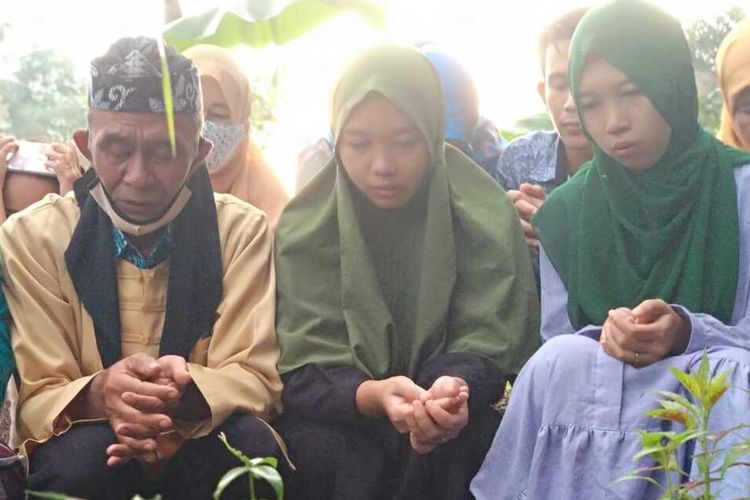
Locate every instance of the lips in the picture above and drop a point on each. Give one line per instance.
(132, 207)
(385, 190)
(624, 149)
(571, 126)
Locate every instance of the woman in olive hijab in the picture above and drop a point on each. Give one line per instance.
(646, 258)
(405, 297)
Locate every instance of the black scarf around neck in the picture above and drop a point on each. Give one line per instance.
(195, 270)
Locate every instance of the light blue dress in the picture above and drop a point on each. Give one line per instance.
(570, 428)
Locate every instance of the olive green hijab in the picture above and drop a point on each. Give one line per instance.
(469, 277)
(617, 237)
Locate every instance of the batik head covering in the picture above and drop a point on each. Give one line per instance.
(616, 236)
(468, 281)
(246, 176)
(733, 72)
(129, 79)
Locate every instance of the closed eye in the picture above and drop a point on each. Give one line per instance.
(358, 145)
(587, 104)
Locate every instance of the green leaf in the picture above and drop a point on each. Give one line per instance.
(730, 458)
(703, 374)
(688, 382)
(654, 438)
(270, 461)
(678, 398)
(671, 411)
(688, 435)
(272, 476)
(228, 478)
(243, 25)
(632, 477)
(655, 452)
(716, 388)
(237, 453)
(166, 87)
(48, 495)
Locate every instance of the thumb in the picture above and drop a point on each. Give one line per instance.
(533, 190)
(649, 311)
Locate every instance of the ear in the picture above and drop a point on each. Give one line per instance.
(204, 147)
(541, 87)
(81, 138)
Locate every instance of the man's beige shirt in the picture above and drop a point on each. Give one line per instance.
(234, 366)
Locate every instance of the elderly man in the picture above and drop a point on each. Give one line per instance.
(143, 305)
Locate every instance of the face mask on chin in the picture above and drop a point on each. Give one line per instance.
(225, 138)
(99, 195)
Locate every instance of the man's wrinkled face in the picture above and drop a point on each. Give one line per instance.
(132, 155)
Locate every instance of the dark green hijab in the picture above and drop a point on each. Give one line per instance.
(617, 237)
(471, 289)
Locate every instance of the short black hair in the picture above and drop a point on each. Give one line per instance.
(560, 29)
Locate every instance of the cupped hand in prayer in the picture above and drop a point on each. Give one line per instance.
(430, 417)
(440, 414)
(396, 397)
(646, 334)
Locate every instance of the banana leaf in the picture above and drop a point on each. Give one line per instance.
(257, 24)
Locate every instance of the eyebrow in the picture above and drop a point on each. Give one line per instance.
(407, 129)
(118, 138)
(624, 82)
(114, 137)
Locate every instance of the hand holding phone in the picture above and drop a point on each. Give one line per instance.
(8, 149)
(62, 161)
(30, 157)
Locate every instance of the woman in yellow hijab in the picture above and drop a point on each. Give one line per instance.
(235, 165)
(733, 71)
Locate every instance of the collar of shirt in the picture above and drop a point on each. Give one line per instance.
(561, 165)
(124, 249)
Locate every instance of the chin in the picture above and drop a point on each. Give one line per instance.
(576, 141)
(388, 204)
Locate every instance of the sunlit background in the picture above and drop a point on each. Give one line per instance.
(495, 40)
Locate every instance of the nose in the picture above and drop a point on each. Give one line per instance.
(570, 104)
(617, 120)
(137, 174)
(382, 164)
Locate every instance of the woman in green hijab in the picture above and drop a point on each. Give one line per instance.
(646, 257)
(405, 297)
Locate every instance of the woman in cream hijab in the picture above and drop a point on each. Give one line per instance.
(733, 71)
(235, 165)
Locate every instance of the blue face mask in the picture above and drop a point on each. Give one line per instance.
(225, 138)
